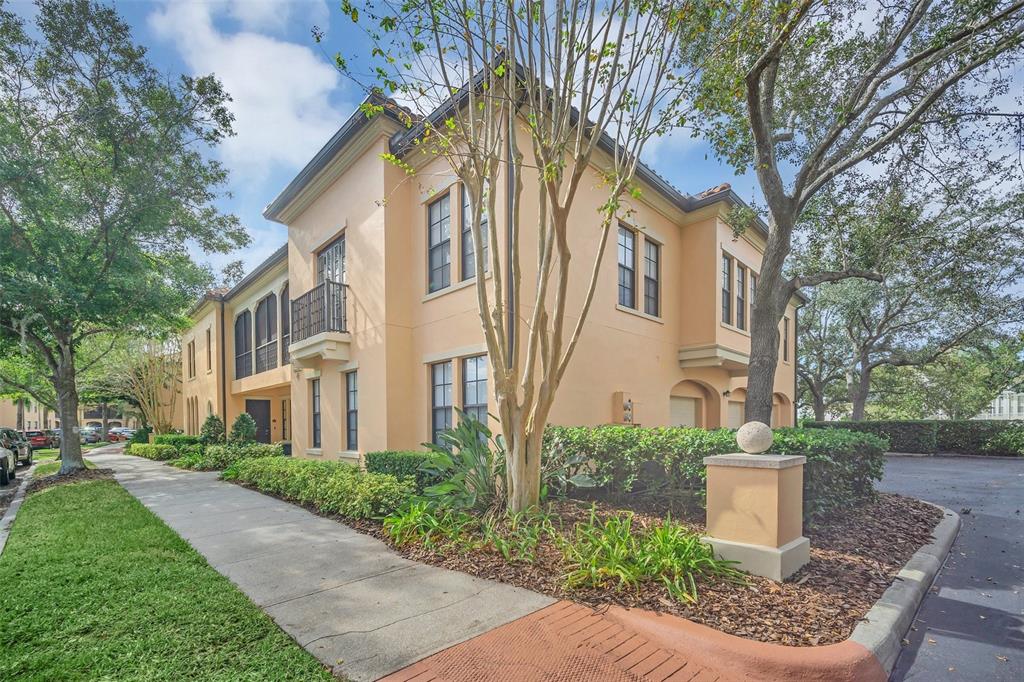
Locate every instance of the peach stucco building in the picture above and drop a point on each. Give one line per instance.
(383, 334)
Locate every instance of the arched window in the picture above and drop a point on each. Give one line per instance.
(243, 345)
(266, 333)
(286, 324)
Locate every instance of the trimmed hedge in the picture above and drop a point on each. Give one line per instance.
(1006, 442)
(330, 487)
(178, 440)
(842, 466)
(160, 453)
(217, 457)
(401, 464)
(963, 436)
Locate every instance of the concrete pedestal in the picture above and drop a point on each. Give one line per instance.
(755, 512)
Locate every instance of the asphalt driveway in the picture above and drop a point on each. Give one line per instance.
(971, 624)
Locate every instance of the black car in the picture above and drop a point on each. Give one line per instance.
(16, 443)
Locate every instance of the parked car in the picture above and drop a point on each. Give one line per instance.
(7, 466)
(54, 437)
(114, 436)
(90, 435)
(36, 439)
(16, 443)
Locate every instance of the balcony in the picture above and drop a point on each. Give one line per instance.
(319, 325)
(714, 355)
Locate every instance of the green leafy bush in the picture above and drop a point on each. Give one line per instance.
(217, 457)
(331, 487)
(972, 436)
(402, 464)
(140, 435)
(964, 436)
(427, 523)
(243, 430)
(469, 465)
(613, 553)
(904, 436)
(1006, 442)
(212, 431)
(157, 452)
(178, 440)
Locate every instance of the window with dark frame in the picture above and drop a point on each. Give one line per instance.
(474, 387)
(190, 358)
(330, 262)
(285, 420)
(785, 339)
(753, 293)
(440, 399)
(468, 252)
(741, 292)
(627, 267)
(439, 251)
(652, 278)
(266, 333)
(286, 325)
(315, 387)
(726, 289)
(209, 350)
(243, 345)
(351, 411)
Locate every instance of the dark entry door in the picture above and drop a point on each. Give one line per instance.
(259, 410)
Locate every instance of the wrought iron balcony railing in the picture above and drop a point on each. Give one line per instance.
(321, 309)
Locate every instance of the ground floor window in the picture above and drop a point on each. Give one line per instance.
(441, 399)
(316, 412)
(285, 420)
(474, 387)
(351, 411)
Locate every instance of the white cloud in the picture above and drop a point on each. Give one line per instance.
(280, 90)
(276, 14)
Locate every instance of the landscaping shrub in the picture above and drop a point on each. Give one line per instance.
(331, 487)
(842, 466)
(401, 464)
(903, 436)
(1006, 442)
(243, 430)
(469, 465)
(140, 435)
(964, 436)
(158, 452)
(212, 431)
(178, 440)
(973, 436)
(217, 457)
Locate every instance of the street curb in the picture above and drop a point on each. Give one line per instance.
(883, 628)
(8, 520)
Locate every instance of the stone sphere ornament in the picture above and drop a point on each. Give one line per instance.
(754, 437)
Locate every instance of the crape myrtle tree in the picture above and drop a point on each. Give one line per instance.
(104, 189)
(569, 77)
(950, 261)
(815, 89)
(146, 373)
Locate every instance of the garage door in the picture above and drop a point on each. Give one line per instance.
(735, 414)
(683, 411)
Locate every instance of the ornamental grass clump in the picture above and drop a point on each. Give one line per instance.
(613, 553)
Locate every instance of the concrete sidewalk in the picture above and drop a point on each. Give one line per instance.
(346, 597)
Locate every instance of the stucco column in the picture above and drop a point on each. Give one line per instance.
(755, 507)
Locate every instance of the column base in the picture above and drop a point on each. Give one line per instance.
(776, 563)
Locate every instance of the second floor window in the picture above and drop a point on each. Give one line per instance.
(753, 293)
(286, 324)
(474, 387)
(785, 339)
(440, 399)
(209, 350)
(315, 411)
(191, 358)
(243, 345)
(330, 262)
(652, 278)
(627, 267)
(468, 252)
(266, 333)
(351, 411)
(726, 289)
(439, 251)
(741, 304)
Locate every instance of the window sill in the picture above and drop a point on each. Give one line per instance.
(451, 288)
(349, 454)
(316, 452)
(634, 311)
(734, 328)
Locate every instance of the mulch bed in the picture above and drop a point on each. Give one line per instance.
(854, 557)
(79, 476)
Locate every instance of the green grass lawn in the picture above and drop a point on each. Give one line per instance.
(94, 586)
(51, 453)
(52, 467)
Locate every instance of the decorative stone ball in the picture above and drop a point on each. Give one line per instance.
(754, 437)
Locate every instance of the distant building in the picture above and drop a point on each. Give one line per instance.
(1006, 405)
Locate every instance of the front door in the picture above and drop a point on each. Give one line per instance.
(259, 410)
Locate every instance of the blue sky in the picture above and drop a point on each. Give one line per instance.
(289, 99)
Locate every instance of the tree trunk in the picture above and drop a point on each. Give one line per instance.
(105, 419)
(67, 402)
(859, 395)
(819, 408)
(19, 421)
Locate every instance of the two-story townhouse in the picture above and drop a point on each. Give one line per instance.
(235, 355)
(385, 337)
(33, 415)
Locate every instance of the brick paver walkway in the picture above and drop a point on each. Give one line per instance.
(564, 641)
